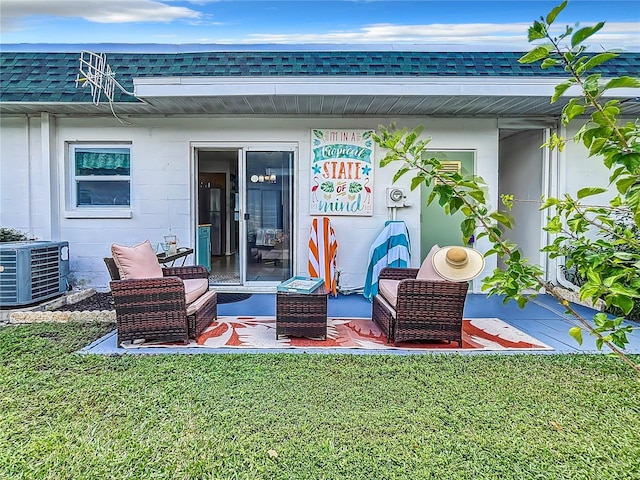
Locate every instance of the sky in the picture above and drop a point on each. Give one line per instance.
(500, 24)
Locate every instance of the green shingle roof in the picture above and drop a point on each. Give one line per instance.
(50, 77)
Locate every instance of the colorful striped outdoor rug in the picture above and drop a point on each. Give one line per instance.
(488, 334)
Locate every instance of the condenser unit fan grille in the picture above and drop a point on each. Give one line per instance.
(45, 272)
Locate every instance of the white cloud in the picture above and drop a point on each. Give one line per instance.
(99, 11)
(20, 14)
(614, 35)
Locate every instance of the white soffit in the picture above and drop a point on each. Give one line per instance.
(149, 87)
(424, 86)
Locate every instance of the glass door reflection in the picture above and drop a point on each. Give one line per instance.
(268, 216)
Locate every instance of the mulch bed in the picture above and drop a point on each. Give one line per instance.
(99, 301)
(104, 301)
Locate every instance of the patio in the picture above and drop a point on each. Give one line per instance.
(542, 318)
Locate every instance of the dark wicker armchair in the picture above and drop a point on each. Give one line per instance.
(422, 309)
(156, 308)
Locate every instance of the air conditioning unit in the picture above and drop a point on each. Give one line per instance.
(32, 271)
(395, 197)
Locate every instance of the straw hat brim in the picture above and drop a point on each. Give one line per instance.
(469, 271)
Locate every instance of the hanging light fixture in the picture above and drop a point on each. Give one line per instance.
(268, 177)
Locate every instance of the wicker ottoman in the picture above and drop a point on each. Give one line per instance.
(302, 315)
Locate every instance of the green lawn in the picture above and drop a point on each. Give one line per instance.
(69, 416)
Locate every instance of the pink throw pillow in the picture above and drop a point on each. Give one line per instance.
(139, 261)
(427, 272)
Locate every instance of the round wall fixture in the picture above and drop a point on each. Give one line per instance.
(395, 197)
(396, 194)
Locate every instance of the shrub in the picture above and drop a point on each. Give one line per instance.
(576, 264)
(12, 235)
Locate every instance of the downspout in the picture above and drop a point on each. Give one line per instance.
(49, 168)
(30, 203)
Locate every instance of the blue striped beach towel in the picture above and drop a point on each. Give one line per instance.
(390, 249)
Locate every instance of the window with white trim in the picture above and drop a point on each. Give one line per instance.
(100, 175)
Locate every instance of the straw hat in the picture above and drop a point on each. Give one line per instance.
(458, 264)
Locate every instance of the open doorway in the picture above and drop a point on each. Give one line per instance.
(525, 172)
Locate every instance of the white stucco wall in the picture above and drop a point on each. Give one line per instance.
(581, 171)
(21, 178)
(163, 182)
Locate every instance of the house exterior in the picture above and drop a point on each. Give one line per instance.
(237, 150)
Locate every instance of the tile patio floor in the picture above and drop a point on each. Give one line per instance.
(542, 318)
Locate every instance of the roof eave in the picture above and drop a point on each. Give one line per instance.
(188, 86)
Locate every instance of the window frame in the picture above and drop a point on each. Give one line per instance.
(73, 210)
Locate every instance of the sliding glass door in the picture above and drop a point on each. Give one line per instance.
(268, 215)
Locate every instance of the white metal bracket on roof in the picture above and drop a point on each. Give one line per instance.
(96, 72)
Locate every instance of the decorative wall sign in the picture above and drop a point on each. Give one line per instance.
(341, 172)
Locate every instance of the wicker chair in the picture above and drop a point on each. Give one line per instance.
(156, 309)
(422, 309)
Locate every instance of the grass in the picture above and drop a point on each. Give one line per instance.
(69, 416)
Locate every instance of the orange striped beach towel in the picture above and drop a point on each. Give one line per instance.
(323, 250)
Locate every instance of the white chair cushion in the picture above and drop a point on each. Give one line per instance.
(388, 288)
(194, 288)
(193, 307)
(139, 261)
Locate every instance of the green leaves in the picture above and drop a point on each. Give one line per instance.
(623, 302)
(623, 82)
(576, 334)
(468, 227)
(537, 31)
(589, 191)
(503, 218)
(572, 110)
(551, 16)
(607, 266)
(538, 53)
(400, 171)
(611, 330)
(633, 201)
(591, 86)
(584, 33)
(560, 89)
(598, 59)
(419, 180)
(626, 182)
